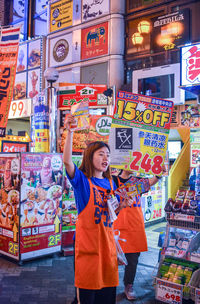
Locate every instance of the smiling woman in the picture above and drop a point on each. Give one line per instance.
(96, 270)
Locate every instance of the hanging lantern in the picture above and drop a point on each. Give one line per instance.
(144, 27)
(137, 39)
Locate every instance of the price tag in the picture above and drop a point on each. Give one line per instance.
(146, 162)
(182, 217)
(169, 292)
(197, 296)
(20, 108)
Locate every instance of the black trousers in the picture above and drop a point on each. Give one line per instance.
(98, 296)
(130, 269)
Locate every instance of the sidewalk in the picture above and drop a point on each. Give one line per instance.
(49, 280)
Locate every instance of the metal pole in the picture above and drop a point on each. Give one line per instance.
(52, 102)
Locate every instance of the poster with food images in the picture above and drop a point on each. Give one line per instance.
(41, 204)
(9, 204)
(99, 129)
(139, 133)
(69, 211)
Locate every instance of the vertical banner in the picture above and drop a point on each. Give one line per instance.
(139, 133)
(41, 204)
(9, 43)
(41, 124)
(9, 204)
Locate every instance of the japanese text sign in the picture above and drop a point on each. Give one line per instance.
(190, 65)
(70, 94)
(94, 41)
(9, 44)
(11, 146)
(170, 30)
(139, 132)
(61, 13)
(169, 292)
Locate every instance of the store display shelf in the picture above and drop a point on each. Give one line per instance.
(187, 257)
(183, 221)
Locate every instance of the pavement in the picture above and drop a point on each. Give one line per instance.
(50, 279)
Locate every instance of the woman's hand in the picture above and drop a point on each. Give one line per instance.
(67, 153)
(69, 120)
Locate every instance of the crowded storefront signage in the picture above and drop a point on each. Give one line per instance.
(169, 31)
(61, 13)
(190, 66)
(94, 41)
(139, 132)
(70, 94)
(9, 43)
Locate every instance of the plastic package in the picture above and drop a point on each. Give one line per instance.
(120, 254)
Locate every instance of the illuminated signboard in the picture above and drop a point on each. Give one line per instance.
(170, 31)
(190, 67)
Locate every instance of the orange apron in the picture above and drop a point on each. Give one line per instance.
(95, 250)
(130, 223)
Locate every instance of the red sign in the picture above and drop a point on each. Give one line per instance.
(70, 94)
(8, 61)
(94, 41)
(11, 146)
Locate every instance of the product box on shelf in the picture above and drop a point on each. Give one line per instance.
(177, 271)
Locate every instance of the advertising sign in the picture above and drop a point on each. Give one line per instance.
(169, 292)
(94, 41)
(152, 203)
(12, 146)
(70, 94)
(41, 204)
(61, 13)
(61, 50)
(28, 81)
(139, 132)
(169, 31)
(92, 9)
(98, 131)
(41, 126)
(9, 204)
(190, 71)
(9, 43)
(20, 108)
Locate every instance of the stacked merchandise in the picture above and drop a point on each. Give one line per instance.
(180, 258)
(178, 271)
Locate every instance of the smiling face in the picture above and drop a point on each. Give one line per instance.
(101, 161)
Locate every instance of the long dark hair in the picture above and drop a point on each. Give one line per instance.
(87, 166)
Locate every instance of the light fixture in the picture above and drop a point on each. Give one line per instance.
(164, 40)
(137, 39)
(144, 27)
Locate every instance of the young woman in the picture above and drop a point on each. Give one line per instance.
(130, 223)
(96, 269)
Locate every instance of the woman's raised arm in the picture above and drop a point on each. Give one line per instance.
(67, 153)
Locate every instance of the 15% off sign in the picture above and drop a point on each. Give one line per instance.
(140, 137)
(169, 292)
